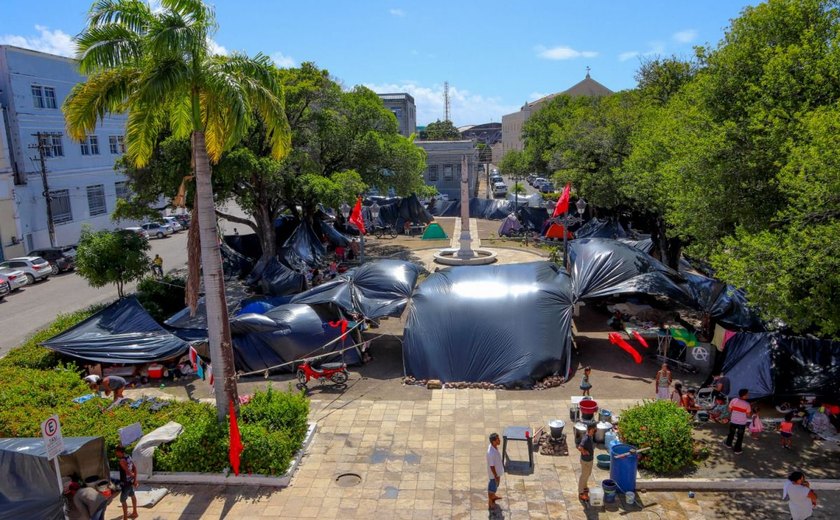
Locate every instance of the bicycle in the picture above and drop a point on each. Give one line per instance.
(381, 231)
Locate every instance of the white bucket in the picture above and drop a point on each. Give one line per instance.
(630, 497)
(596, 497)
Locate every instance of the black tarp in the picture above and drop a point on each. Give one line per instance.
(644, 244)
(488, 209)
(605, 267)
(783, 366)
(194, 328)
(29, 489)
(375, 289)
(286, 333)
(505, 324)
(274, 278)
(235, 264)
(601, 228)
(532, 218)
(123, 332)
(396, 211)
(724, 303)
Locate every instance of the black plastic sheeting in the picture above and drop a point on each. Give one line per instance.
(726, 304)
(235, 264)
(601, 228)
(287, 333)
(605, 267)
(29, 489)
(194, 328)
(532, 219)
(274, 278)
(374, 290)
(123, 332)
(396, 211)
(644, 244)
(505, 324)
(488, 209)
(783, 366)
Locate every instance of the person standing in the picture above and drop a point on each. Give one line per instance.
(663, 382)
(495, 470)
(587, 453)
(128, 481)
(803, 500)
(157, 266)
(740, 412)
(786, 431)
(585, 384)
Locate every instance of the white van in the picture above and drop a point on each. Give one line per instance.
(500, 189)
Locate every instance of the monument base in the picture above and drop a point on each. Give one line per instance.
(452, 257)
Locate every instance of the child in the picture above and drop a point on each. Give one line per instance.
(585, 385)
(128, 481)
(719, 412)
(786, 431)
(755, 424)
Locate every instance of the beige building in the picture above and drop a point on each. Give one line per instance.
(512, 124)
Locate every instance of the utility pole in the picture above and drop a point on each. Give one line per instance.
(42, 152)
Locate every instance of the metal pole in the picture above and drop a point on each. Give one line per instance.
(41, 137)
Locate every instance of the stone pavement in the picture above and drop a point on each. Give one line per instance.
(425, 460)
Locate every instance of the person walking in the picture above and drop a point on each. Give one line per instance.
(157, 266)
(740, 413)
(585, 384)
(587, 453)
(802, 499)
(128, 481)
(786, 431)
(662, 382)
(495, 470)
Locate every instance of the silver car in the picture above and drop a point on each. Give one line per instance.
(158, 229)
(173, 223)
(14, 277)
(34, 267)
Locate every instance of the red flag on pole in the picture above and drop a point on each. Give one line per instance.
(235, 441)
(356, 216)
(563, 202)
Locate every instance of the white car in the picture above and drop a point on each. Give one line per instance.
(14, 277)
(500, 189)
(173, 223)
(34, 267)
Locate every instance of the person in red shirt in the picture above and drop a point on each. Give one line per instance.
(786, 431)
(740, 411)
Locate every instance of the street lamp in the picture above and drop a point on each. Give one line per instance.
(567, 220)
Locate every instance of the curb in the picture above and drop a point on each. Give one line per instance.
(728, 484)
(233, 480)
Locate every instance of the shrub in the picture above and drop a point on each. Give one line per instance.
(32, 355)
(278, 411)
(663, 427)
(202, 447)
(161, 298)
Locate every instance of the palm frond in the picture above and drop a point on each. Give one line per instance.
(162, 80)
(103, 92)
(134, 15)
(226, 109)
(107, 46)
(145, 121)
(194, 10)
(180, 114)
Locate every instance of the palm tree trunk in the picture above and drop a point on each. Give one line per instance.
(218, 325)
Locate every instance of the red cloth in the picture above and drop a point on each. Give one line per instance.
(343, 325)
(563, 202)
(235, 441)
(618, 341)
(356, 216)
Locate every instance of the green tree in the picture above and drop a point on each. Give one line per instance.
(112, 257)
(442, 131)
(158, 66)
(514, 163)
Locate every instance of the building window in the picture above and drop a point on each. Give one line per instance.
(60, 206)
(52, 145)
(90, 146)
(43, 97)
(117, 144)
(122, 190)
(433, 173)
(96, 200)
(458, 171)
(447, 172)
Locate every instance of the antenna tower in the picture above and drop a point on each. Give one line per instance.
(446, 99)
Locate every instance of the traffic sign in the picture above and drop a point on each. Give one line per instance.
(53, 441)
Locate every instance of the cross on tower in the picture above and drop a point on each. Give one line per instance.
(587, 71)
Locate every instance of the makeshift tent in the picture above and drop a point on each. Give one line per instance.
(601, 228)
(194, 328)
(275, 278)
(784, 366)
(123, 332)
(397, 211)
(434, 232)
(509, 225)
(505, 324)
(29, 486)
(555, 231)
(605, 267)
(533, 200)
(725, 303)
(286, 333)
(644, 244)
(532, 218)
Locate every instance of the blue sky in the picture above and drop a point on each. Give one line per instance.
(496, 55)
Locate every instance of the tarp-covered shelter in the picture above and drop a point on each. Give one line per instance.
(397, 211)
(286, 333)
(532, 218)
(194, 328)
(123, 332)
(601, 228)
(506, 324)
(275, 278)
(509, 225)
(29, 489)
(726, 304)
(555, 231)
(784, 366)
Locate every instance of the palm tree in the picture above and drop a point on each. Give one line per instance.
(158, 67)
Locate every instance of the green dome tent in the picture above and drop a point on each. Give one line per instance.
(434, 232)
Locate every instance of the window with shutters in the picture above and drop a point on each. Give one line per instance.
(96, 200)
(433, 173)
(122, 190)
(60, 206)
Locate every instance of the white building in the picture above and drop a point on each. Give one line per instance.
(443, 166)
(83, 185)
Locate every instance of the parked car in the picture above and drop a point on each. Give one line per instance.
(174, 224)
(4, 290)
(547, 187)
(500, 189)
(184, 220)
(530, 178)
(61, 259)
(14, 278)
(137, 229)
(34, 268)
(157, 229)
(539, 182)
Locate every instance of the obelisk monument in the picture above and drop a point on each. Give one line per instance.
(466, 250)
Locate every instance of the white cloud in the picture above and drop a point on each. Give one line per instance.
(563, 52)
(686, 36)
(282, 61)
(397, 12)
(654, 49)
(629, 55)
(466, 107)
(215, 48)
(52, 42)
(536, 95)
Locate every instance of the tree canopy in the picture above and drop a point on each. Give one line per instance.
(441, 131)
(112, 257)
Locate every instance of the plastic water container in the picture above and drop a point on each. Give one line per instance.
(596, 497)
(609, 490)
(605, 415)
(623, 466)
(609, 438)
(630, 498)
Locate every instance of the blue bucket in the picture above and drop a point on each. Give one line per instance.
(623, 465)
(606, 415)
(609, 490)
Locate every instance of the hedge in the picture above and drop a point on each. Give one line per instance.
(665, 429)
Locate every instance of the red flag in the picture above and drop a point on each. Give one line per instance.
(356, 216)
(235, 441)
(563, 202)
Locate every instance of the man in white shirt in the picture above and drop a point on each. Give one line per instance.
(495, 470)
(802, 498)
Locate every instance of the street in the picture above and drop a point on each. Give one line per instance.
(33, 307)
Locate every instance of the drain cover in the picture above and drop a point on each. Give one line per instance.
(348, 480)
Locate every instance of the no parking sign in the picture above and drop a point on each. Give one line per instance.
(53, 441)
